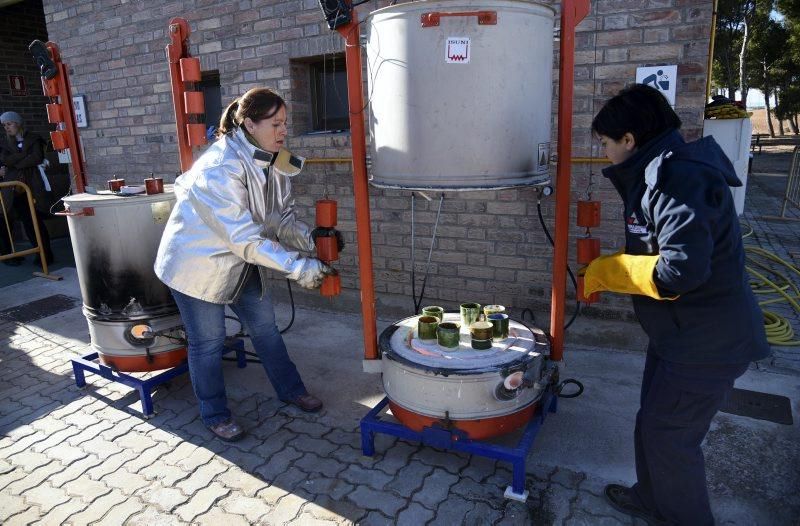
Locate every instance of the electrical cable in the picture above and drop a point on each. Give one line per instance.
(243, 334)
(418, 303)
(571, 275)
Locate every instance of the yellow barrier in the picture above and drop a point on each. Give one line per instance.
(38, 248)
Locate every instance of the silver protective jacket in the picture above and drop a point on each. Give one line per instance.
(233, 208)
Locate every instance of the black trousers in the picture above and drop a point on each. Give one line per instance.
(678, 402)
(19, 210)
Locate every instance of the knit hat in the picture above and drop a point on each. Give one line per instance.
(11, 116)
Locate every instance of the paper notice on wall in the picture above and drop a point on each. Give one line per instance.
(457, 50)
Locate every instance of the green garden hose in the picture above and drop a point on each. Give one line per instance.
(779, 330)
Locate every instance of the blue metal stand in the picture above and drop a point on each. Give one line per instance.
(455, 439)
(88, 363)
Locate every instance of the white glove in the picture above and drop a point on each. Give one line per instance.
(314, 271)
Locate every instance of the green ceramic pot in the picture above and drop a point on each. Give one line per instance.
(499, 323)
(447, 334)
(433, 310)
(426, 327)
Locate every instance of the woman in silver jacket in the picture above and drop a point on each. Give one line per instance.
(233, 220)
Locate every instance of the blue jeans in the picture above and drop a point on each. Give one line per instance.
(678, 402)
(205, 330)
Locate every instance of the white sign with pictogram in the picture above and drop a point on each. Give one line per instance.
(662, 78)
(456, 50)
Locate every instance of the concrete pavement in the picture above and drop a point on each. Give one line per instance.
(87, 456)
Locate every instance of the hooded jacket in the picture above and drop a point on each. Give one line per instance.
(233, 209)
(678, 205)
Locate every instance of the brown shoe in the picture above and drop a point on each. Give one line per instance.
(308, 403)
(228, 430)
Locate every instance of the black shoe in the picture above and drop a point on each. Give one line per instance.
(13, 262)
(621, 499)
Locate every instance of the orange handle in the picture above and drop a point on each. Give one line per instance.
(485, 18)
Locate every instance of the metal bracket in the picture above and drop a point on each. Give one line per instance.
(485, 18)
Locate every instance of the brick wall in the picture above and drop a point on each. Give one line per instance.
(490, 247)
(19, 25)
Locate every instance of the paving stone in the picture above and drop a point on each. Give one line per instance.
(33, 479)
(199, 457)
(567, 478)
(120, 429)
(269, 426)
(251, 508)
(278, 463)
(452, 511)
(174, 457)
(287, 509)
(451, 461)
(291, 479)
(326, 508)
(6, 479)
(410, 478)
(371, 477)
(164, 498)
(74, 469)
(166, 437)
(89, 433)
(479, 468)
(435, 488)
(11, 505)
(216, 517)
(370, 499)
(60, 513)
(49, 425)
(242, 460)
(201, 477)
(118, 515)
(151, 517)
(101, 447)
(308, 444)
(6, 466)
(557, 502)
(272, 494)
(21, 444)
(596, 505)
(315, 429)
(582, 518)
(312, 463)
(147, 457)
(111, 464)
(273, 444)
(163, 473)
(29, 460)
(350, 455)
(332, 487)
(29, 516)
(99, 507)
(85, 489)
(396, 457)
(46, 497)
(56, 440)
(375, 518)
(471, 490)
(415, 515)
(201, 501)
(482, 514)
(241, 482)
(518, 514)
(344, 438)
(125, 481)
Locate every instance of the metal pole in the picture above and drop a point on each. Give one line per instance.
(355, 98)
(572, 12)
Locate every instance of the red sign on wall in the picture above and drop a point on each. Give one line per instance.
(17, 85)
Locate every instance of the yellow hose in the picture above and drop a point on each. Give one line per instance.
(779, 331)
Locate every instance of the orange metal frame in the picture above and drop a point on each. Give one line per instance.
(60, 92)
(572, 12)
(176, 50)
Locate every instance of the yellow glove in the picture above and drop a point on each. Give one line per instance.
(622, 273)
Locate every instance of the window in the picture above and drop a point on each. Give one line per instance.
(209, 85)
(329, 108)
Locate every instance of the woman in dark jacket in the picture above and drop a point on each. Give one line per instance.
(684, 265)
(20, 155)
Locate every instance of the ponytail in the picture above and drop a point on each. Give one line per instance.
(227, 123)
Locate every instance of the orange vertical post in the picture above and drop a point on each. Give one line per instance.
(572, 12)
(176, 50)
(59, 87)
(355, 99)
